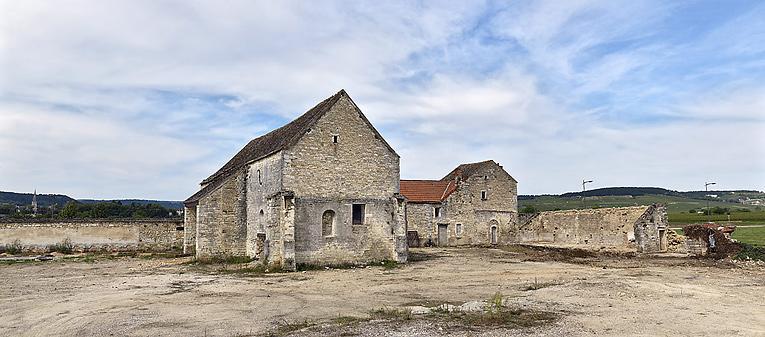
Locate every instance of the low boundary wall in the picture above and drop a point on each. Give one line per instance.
(38, 235)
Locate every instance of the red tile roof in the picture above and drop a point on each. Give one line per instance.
(427, 190)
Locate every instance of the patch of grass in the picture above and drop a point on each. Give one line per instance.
(750, 252)
(386, 264)
(539, 285)
(391, 314)
(287, 328)
(14, 248)
(220, 260)
(496, 314)
(348, 320)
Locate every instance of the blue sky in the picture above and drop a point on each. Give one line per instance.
(117, 99)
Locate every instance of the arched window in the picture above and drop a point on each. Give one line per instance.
(260, 178)
(327, 223)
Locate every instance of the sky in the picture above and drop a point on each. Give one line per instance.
(144, 99)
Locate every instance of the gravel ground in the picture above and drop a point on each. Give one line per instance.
(608, 294)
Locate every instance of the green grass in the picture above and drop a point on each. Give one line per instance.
(742, 218)
(674, 204)
(752, 235)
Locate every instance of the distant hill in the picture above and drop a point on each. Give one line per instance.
(45, 200)
(25, 199)
(164, 203)
(630, 196)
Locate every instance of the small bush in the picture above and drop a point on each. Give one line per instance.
(64, 247)
(13, 248)
(750, 252)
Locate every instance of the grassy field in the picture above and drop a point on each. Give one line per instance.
(674, 204)
(751, 235)
(738, 218)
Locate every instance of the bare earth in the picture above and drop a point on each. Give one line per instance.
(602, 295)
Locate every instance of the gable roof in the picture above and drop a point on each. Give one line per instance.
(466, 170)
(427, 191)
(434, 191)
(278, 140)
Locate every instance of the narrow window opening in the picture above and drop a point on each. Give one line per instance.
(458, 229)
(358, 214)
(437, 212)
(260, 179)
(483, 195)
(335, 138)
(327, 223)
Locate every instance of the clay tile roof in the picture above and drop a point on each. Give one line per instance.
(427, 190)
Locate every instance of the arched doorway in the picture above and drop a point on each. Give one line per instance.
(327, 223)
(493, 232)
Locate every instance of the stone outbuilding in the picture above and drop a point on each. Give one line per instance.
(323, 189)
(475, 204)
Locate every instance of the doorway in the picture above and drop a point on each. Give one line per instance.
(443, 234)
(662, 240)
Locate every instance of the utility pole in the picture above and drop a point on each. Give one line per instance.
(709, 210)
(584, 184)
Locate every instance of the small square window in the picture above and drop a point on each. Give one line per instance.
(483, 195)
(437, 212)
(358, 214)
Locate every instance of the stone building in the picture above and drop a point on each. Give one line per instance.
(323, 189)
(475, 204)
(643, 228)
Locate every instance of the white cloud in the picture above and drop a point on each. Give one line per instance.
(144, 99)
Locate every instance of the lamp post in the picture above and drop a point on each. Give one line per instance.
(709, 210)
(584, 184)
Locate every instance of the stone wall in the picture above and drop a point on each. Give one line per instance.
(638, 227)
(327, 176)
(264, 182)
(94, 235)
(221, 219)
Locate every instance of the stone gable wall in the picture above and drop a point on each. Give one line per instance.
(324, 175)
(264, 182)
(358, 166)
(94, 234)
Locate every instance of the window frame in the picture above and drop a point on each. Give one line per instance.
(361, 218)
(484, 195)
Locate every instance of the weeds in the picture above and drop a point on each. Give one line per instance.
(495, 314)
(750, 252)
(287, 328)
(391, 314)
(13, 248)
(539, 285)
(64, 247)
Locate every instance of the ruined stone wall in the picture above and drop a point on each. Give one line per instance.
(651, 230)
(222, 219)
(325, 175)
(190, 229)
(603, 227)
(94, 235)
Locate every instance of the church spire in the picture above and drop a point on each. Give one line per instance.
(34, 202)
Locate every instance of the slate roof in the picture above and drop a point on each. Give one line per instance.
(427, 191)
(275, 141)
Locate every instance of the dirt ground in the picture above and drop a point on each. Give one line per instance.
(606, 294)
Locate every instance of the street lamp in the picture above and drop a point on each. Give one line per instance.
(584, 184)
(709, 210)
